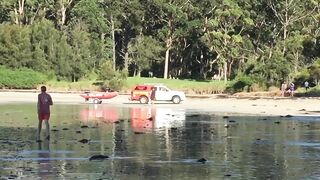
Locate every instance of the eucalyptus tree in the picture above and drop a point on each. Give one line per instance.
(15, 47)
(224, 34)
(24, 12)
(143, 51)
(169, 22)
(93, 16)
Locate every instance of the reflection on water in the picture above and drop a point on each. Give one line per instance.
(147, 142)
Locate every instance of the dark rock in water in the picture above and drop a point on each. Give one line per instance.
(194, 124)
(225, 117)
(25, 118)
(174, 128)
(117, 122)
(193, 115)
(288, 116)
(232, 121)
(78, 132)
(65, 129)
(12, 176)
(98, 157)
(139, 133)
(277, 122)
(227, 175)
(54, 130)
(84, 141)
(202, 160)
(84, 126)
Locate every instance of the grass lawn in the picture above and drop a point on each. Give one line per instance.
(189, 86)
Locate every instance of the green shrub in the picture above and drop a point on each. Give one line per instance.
(112, 79)
(241, 83)
(20, 79)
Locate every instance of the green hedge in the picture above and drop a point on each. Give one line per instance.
(20, 79)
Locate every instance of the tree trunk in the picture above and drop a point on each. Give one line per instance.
(230, 68)
(168, 46)
(21, 10)
(166, 63)
(225, 71)
(16, 18)
(113, 44)
(139, 73)
(126, 62)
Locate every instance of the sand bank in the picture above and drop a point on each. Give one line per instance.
(254, 106)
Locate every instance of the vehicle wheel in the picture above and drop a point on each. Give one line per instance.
(176, 99)
(144, 100)
(96, 101)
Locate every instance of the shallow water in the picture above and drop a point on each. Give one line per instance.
(147, 142)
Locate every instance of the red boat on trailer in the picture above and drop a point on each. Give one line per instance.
(97, 97)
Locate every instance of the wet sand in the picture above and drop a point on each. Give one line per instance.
(253, 106)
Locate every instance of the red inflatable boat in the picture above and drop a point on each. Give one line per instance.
(97, 97)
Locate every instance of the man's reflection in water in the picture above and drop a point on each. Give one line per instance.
(142, 119)
(45, 167)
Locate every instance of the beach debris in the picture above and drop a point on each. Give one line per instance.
(98, 157)
(302, 110)
(202, 160)
(84, 126)
(84, 141)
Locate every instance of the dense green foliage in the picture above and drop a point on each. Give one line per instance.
(20, 78)
(254, 42)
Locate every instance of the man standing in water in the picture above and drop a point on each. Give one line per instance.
(44, 103)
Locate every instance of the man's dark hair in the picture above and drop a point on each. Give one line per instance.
(43, 89)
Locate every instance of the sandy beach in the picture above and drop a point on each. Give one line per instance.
(254, 106)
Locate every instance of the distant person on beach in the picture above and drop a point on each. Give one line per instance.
(44, 103)
(291, 89)
(152, 95)
(306, 85)
(283, 89)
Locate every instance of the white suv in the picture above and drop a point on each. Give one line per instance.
(163, 93)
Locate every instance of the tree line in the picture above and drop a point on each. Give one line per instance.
(265, 42)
